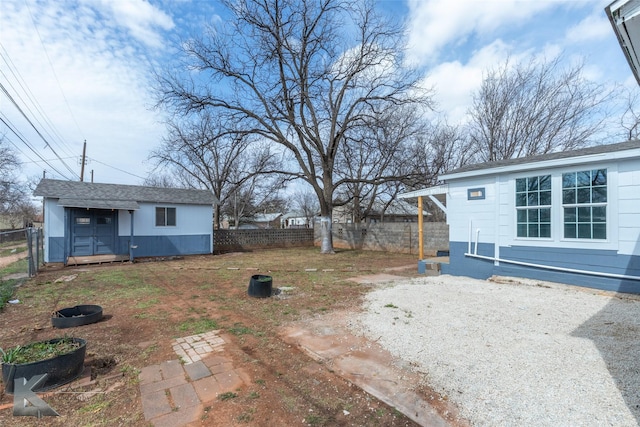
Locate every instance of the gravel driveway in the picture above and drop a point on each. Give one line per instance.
(515, 353)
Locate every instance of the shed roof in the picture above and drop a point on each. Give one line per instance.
(609, 151)
(116, 196)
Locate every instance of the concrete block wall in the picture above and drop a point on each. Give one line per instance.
(239, 240)
(389, 237)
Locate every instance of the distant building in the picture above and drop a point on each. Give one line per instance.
(396, 211)
(266, 220)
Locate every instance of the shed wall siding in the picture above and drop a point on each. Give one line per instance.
(53, 218)
(189, 220)
(152, 246)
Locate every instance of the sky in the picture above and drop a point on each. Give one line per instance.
(82, 70)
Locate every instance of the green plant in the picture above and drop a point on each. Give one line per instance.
(6, 291)
(239, 329)
(246, 417)
(391, 305)
(227, 396)
(198, 326)
(314, 420)
(40, 350)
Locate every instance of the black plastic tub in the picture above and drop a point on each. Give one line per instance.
(76, 316)
(60, 370)
(260, 286)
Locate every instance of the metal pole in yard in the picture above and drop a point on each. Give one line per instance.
(420, 230)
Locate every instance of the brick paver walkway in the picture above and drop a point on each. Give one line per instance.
(175, 392)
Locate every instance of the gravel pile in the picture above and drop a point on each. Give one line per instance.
(515, 353)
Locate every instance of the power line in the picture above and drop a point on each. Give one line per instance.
(52, 69)
(27, 91)
(4, 90)
(118, 169)
(11, 128)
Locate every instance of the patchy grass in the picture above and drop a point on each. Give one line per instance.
(6, 291)
(148, 304)
(197, 326)
(21, 266)
(12, 251)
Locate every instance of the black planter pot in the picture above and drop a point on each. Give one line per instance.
(76, 316)
(260, 286)
(60, 369)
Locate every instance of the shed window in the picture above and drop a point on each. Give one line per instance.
(533, 206)
(584, 203)
(165, 217)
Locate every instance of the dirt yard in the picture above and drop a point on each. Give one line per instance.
(148, 304)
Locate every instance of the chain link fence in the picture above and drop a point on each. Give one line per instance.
(33, 238)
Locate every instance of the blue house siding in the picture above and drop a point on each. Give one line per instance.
(460, 265)
(148, 246)
(55, 249)
(602, 261)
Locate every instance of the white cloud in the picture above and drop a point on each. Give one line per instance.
(594, 27)
(141, 19)
(434, 24)
(455, 82)
(100, 90)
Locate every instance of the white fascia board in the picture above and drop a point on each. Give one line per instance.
(624, 16)
(546, 164)
(431, 191)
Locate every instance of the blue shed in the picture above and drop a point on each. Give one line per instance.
(93, 222)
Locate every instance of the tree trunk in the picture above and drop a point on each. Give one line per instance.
(326, 243)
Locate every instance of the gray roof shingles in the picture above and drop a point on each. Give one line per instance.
(116, 196)
(598, 149)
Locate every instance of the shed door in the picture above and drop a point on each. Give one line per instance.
(93, 232)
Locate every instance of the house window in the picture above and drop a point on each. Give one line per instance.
(584, 203)
(165, 217)
(533, 206)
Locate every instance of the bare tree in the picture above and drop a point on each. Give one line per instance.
(201, 153)
(163, 180)
(301, 74)
(630, 119)
(533, 108)
(306, 203)
(14, 194)
(374, 156)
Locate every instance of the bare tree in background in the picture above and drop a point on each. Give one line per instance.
(201, 153)
(374, 157)
(533, 108)
(439, 148)
(14, 194)
(301, 74)
(306, 203)
(630, 119)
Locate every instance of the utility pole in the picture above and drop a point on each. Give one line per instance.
(84, 157)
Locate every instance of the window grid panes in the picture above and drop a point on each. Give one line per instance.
(584, 203)
(165, 217)
(533, 206)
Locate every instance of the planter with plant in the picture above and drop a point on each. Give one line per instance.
(62, 359)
